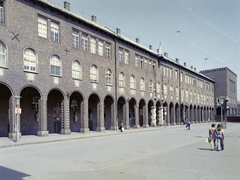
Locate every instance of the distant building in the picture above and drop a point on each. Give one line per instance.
(226, 88)
(238, 107)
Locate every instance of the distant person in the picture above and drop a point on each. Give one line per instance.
(121, 128)
(188, 124)
(212, 136)
(183, 122)
(220, 137)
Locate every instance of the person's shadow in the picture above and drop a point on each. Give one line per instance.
(207, 149)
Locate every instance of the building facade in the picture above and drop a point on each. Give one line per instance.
(62, 73)
(225, 88)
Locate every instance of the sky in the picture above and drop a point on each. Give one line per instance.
(203, 33)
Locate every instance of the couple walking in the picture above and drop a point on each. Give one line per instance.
(216, 137)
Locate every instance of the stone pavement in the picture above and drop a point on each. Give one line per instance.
(53, 137)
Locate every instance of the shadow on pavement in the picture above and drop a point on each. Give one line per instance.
(10, 174)
(204, 149)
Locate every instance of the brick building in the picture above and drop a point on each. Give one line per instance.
(73, 75)
(226, 87)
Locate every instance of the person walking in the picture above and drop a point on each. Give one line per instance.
(121, 128)
(220, 137)
(212, 136)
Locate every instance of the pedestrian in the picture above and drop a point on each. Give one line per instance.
(188, 124)
(183, 122)
(121, 128)
(220, 138)
(212, 136)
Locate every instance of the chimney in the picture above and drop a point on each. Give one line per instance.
(137, 40)
(192, 67)
(67, 5)
(94, 18)
(118, 31)
(195, 69)
(185, 64)
(177, 60)
(166, 54)
(150, 47)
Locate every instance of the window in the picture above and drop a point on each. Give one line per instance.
(186, 94)
(100, 48)
(121, 80)
(42, 27)
(165, 89)
(171, 90)
(93, 45)
(30, 59)
(176, 74)
(142, 84)
(35, 103)
(150, 86)
(108, 50)
(84, 42)
(75, 38)
(141, 62)
(181, 76)
(164, 71)
(93, 73)
(177, 92)
(1, 14)
(76, 70)
(170, 72)
(182, 93)
(3, 61)
(132, 82)
(120, 51)
(158, 88)
(108, 77)
(126, 57)
(55, 64)
(54, 32)
(136, 60)
(145, 63)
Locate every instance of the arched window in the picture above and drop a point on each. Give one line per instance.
(93, 73)
(121, 79)
(150, 86)
(186, 94)
(142, 84)
(3, 59)
(76, 70)
(30, 59)
(56, 64)
(132, 82)
(108, 77)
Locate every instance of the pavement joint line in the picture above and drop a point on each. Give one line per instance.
(98, 135)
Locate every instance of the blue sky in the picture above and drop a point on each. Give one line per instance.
(208, 28)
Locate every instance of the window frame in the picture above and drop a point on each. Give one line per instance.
(54, 31)
(3, 53)
(76, 70)
(28, 62)
(53, 64)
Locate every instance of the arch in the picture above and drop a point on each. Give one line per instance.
(142, 113)
(177, 114)
(93, 112)
(171, 114)
(109, 112)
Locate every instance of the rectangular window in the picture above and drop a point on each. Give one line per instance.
(120, 52)
(84, 42)
(126, 57)
(108, 50)
(42, 27)
(93, 45)
(181, 76)
(54, 32)
(75, 38)
(1, 14)
(145, 63)
(176, 74)
(136, 60)
(100, 48)
(149, 65)
(55, 70)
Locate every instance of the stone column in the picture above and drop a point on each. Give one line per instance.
(113, 117)
(127, 115)
(42, 113)
(100, 119)
(160, 115)
(84, 117)
(65, 129)
(145, 116)
(153, 116)
(12, 118)
(136, 117)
